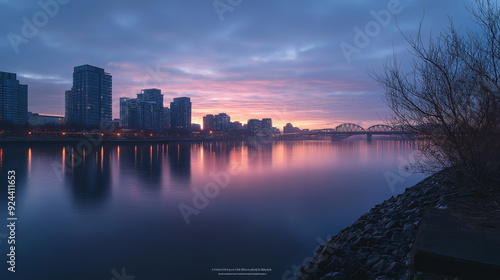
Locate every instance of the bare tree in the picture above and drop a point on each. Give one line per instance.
(449, 97)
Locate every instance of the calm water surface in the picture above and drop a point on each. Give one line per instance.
(119, 207)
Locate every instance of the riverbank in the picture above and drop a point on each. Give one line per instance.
(378, 245)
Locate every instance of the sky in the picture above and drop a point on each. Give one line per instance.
(304, 62)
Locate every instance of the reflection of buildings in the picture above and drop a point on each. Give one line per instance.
(148, 160)
(91, 175)
(13, 99)
(179, 159)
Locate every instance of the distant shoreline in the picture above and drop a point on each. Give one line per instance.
(34, 139)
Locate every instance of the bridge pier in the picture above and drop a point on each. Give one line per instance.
(369, 137)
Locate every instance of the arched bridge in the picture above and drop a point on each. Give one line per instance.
(349, 129)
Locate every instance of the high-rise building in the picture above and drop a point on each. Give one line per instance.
(289, 128)
(209, 123)
(195, 127)
(13, 99)
(92, 96)
(180, 111)
(133, 114)
(222, 122)
(235, 126)
(151, 109)
(166, 119)
(124, 111)
(144, 112)
(254, 126)
(68, 102)
(267, 125)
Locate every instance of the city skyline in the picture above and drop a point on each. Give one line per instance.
(240, 65)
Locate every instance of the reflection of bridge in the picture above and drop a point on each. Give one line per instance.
(349, 129)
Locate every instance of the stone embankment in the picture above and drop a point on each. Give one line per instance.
(377, 246)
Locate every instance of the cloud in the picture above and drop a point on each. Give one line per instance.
(265, 58)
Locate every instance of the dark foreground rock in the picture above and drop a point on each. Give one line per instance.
(377, 246)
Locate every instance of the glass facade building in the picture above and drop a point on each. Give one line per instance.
(13, 99)
(91, 96)
(180, 112)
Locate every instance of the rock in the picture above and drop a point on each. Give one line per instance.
(361, 274)
(409, 226)
(372, 259)
(398, 237)
(396, 217)
(381, 266)
(340, 276)
(400, 253)
(383, 278)
(377, 245)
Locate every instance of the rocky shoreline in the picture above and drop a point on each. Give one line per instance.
(377, 246)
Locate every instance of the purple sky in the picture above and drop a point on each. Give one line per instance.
(258, 58)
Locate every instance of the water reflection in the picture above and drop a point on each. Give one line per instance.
(90, 180)
(179, 159)
(124, 199)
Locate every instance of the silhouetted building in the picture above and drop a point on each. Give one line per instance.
(209, 123)
(254, 126)
(124, 111)
(195, 127)
(222, 122)
(91, 96)
(144, 112)
(68, 106)
(13, 99)
(133, 113)
(267, 126)
(236, 126)
(288, 128)
(35, 119)
(166, 119)
(180, 113)
(151, 106)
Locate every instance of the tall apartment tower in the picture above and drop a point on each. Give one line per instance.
(92, 96)
(209, 123)
(68, 106)
(222, 122)
(144, 112)
(13, 99)
(124, 112)
(180, 112)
